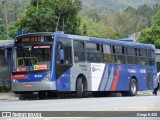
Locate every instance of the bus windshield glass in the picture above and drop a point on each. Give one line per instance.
(32, 58)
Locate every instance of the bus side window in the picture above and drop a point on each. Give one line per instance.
(136, 51)
(63, 51)
(132, 56)
(79, 53)
(61, 54)
(151, 57)
(107, 54)
(143, 57)
(93, 51)
(119, 54)
(67, 55)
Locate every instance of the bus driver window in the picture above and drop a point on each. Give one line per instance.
(61, 54)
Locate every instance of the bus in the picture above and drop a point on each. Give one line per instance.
(53, 62)
(5, 54)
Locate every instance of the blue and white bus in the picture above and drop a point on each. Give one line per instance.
(56, 62)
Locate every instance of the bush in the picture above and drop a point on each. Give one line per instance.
(5, 88)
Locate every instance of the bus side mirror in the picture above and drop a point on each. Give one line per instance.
(61, 54)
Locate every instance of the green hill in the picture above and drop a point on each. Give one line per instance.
(115, 5)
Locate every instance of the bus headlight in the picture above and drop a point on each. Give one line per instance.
(14, 80)
(47, 78)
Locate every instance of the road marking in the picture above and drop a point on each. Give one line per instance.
(152, 105)
(115, 109)
(108, 109)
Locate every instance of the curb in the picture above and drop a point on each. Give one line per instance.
(8, 96)
(147, 93)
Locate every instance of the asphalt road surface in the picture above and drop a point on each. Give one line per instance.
(140, 103)
(139, 106)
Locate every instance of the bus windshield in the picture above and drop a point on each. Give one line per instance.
(32, 58)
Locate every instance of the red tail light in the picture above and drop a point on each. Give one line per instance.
(17, 77)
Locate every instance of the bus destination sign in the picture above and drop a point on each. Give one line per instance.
(31, 39)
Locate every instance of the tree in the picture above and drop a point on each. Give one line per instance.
(92, 28)
(42, 15)
(144, 11)
(130, 20)
(2, 33)
(150, 35)
(14, 8)
(92, 13)
(10, 10)
(124, 23)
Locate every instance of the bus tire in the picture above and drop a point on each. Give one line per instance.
(95, 94)
(41, 95)
(52, 94)
(79, 88)
(124, 93)
(133, 88)
(85, 88)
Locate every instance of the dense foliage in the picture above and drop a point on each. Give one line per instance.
(13, 9)
(2, 35)
(151, 35)
(89, 27)
(104, 6)
(125, 22)
(112, 19)
(57, 15)
(5, 88)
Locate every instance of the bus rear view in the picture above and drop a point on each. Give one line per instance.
(31, 64)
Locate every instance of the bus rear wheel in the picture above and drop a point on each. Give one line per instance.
(133, 88)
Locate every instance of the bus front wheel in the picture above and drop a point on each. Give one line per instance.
(41, 95)
(79, 88)
(52, 94)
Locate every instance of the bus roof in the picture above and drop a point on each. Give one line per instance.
(36, 33)
(6, 43)
(94, 39)
(112, 42)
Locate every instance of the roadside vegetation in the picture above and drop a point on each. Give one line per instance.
(104, 18)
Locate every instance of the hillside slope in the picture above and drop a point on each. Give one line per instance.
(115, 5)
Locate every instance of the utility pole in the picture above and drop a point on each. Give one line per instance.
(6, 19)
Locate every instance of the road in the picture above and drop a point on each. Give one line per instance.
(137, 103)
(141, 103)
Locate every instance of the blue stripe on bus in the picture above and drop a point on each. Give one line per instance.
(102, 79)
(63, 82)
(110, 66)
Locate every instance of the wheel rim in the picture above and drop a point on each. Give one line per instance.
(82, 88)
(133, 88)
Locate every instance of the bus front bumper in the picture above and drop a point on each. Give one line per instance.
(33, 86)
